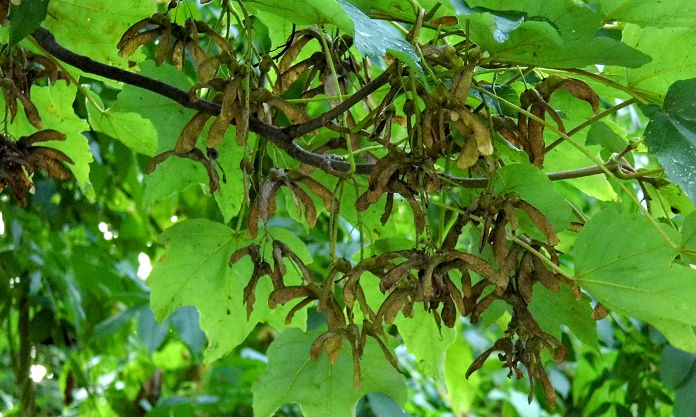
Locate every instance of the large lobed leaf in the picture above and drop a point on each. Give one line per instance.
(623, 261)
(321, 389)
(194, 271)
(671, 135)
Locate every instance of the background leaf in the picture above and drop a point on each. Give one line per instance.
(26, 18)
(671, 135)
(621, 272)
(321, 389)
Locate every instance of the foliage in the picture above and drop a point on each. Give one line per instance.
(351, 206)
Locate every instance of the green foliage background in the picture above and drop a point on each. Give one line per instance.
(102, 331)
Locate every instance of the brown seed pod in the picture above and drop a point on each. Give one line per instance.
(540, 221)
(599, 312)
(310, 209)
(285, 294)
(178, 54)
(547, 278)
(220, 125)
(449, 312)
(129, 47)
(41, 136)
(525, 281)
(189, 135)
(392, 305)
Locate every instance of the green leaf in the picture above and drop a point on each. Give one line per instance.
(321, 389)
(602, 134)
(553, 310)
(194, 271)
(688, 232)
(425, 341)
(671, 135)
(303, 12)
(94, 27)
(131, 129)
(535, 188)
(26, 18)
(462, 390)
(671, 13)
(559, 34)
(675, 366)
(672, 59)
(55, 108)
(373, 38)
(627, 265)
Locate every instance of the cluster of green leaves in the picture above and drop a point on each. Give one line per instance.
(107, 338)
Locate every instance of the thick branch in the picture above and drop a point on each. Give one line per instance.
(281, 137)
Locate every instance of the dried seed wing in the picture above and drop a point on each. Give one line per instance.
(381, 175)
(163, 47)
(500, 244)
(455, 230)
(50, 153)
(333, 347)
(294, 113)
(540, 221)
(427, 129)
(461, 83)
(133, 30)
(242, 122)
(468, 155)
(525, 283)
(400, 271)
(278, 263)
(245, 251)
(547, 278)
(253, 219)
(310, 210)
(582, 91)
(131, 44)
(227, 113)
(156, 160)
(511, 215)
(288, 78)
(535, 132)
(481, 306)
(298, 41)
(391, 306)
(318, 344)
(387, 353)
(266, 199)
(350, 286)
(449, 313)
(418, 216)
(41, 136)
(599, 312)
(330, 202)
(285, 294)
(178, 55)
(189, 135)
(481, 359)
(206, 70)
(481, 133)
(201, 26)
(445, 21)
(31, 111)
(387, 209)
(299, 306)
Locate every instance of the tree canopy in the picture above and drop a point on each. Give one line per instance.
(348, 207)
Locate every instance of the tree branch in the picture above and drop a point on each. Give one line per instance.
(281, 137)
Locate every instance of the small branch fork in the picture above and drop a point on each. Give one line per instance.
(282, 137)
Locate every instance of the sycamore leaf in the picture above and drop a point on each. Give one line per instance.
(321, 389)
(554, 309)
(302, 12)
(671, 13)
(671, 135)
(673, 59)
(131, 129)
(425, 341)
(194, 271)
(26, 18)
(56, 111)
(627, 265)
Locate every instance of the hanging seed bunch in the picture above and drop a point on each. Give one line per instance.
(19, 159)
(19, 70)
(442, 130)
